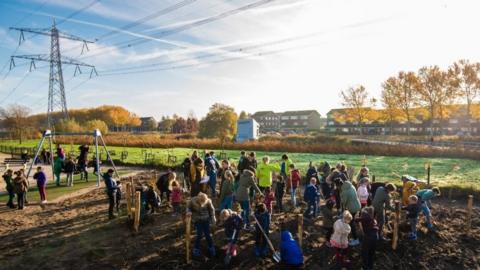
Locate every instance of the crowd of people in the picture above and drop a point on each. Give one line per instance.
(247, 193)
(17, 184)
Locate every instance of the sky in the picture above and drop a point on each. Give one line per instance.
(182, 56)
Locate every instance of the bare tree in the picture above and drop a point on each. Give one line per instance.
(15, 118)
(466, 78)
(357, 102)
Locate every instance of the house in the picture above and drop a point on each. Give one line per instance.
(300, 121)
(290, 121)
(247, 129)
(268, 121)
(456, 124)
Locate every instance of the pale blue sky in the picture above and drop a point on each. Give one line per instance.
(288, 54)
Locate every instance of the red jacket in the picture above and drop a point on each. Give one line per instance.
(295, 178)
(176, 195)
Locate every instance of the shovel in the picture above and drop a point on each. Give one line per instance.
(228, 255)
(276, 255)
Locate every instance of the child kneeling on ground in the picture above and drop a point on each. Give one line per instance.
(413, 209)
(201, 209)
(232, 223)
(339, 240)
(290, 251)
(263, 218)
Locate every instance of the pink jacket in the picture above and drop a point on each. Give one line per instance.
(176, 196)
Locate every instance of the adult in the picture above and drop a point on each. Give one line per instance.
(201, 209)
(311, 173)
(60, 151)
(381, 202)
(197, 172)
(41, 178)
(163, 183)
(43, 156)
(242, 165)
(350, 202)
(187, 162)
(194, 156)
(111, 187)
(264, 173)
(246, 182)
(57, 169)
(83, 162)
(20, 187)
(424, 197)
(7, 177)
(211, 167)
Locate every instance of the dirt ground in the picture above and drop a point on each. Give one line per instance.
(74, 233)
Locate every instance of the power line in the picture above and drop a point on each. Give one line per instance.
(31, 13)
(16, 87)
(75, 13)
(138, 41)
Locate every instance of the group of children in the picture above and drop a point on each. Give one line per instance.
(17, 185)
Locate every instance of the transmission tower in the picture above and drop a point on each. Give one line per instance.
(56, 90)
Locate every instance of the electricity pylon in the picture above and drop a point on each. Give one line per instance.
(56, 89)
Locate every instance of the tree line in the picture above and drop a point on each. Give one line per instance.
(432, 92)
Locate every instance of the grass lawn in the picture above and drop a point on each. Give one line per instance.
(445, 171)
(54, 192)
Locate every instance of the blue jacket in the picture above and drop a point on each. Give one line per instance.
(290, 251)
(311, 194)
(264, 220)
(425, 195)
(109, 183)
(41, 178)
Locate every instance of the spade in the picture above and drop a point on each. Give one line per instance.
(276, 255)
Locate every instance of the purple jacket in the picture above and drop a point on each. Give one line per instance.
(41, 178)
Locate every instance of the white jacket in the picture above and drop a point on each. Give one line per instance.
(362, 193)
(341, 231)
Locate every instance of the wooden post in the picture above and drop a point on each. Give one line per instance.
(373, 178)
(188, 232)
(300, 231)
(469, 212)
(128, 197)
(429, 168)
(450, 194)
(396, 223)
(136, 223)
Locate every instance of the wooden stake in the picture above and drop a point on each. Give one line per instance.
(373, 178)
(396, 223)
(429, 168)
(469, 212)
(300, 231)
(188, 232)
(136, 223)
(450, 194)
(128, 197)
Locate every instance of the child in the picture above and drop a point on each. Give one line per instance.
(57, 169)
(294, 181)
(201, 209)
(413, 209)
(269, 198)
(339, 240)
(290, 251)
(176, 197)
(69, 170)
(7, 177)
(226, 191)
(41, 184)
(20, 187)
(424, 197)
(263, 218)
(370, 231)
(279, 192)
(362, 191)
(327, 213)
(232, 223)
(310, 196)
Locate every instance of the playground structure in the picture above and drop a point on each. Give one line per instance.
(97, 137)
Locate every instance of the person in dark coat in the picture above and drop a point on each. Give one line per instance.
(163, 183)
(370, 237)
(111, 188)
(310, 196)
(8, 177)
(263, 218)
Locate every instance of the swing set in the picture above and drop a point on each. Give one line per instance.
(97, 139)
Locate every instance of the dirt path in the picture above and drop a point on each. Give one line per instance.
(75, 233)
